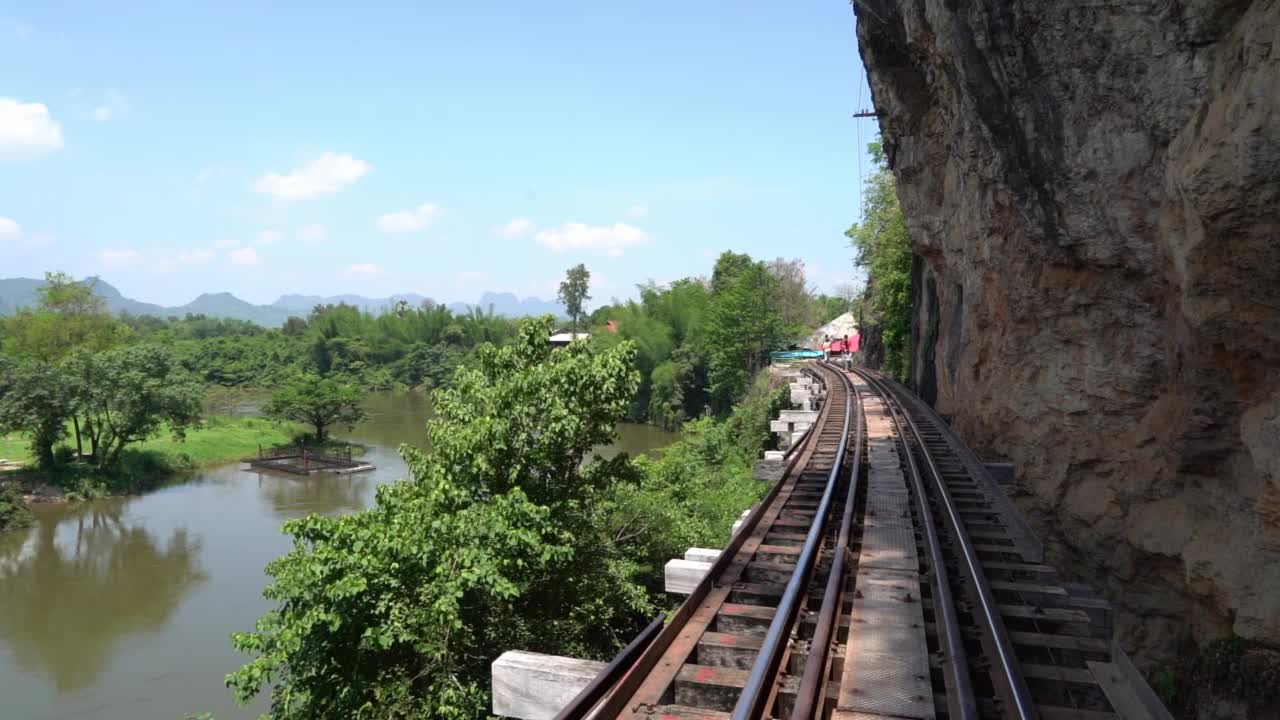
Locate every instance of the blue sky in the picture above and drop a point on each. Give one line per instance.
(439, 148)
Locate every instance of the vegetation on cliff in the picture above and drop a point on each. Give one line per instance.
(883, 247)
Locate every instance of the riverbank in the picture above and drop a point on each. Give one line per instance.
(145, 465)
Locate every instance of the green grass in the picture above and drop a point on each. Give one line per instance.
(14, 447)
(222, 439)
(152, 462)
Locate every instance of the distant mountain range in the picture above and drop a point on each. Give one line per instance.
(16, 293)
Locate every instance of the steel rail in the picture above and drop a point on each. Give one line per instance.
(604, 681)
(759, 683)
(964, 704)
(810, 695)
(1010, 671)
(616, 700)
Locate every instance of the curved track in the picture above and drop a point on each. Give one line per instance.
(883, 576)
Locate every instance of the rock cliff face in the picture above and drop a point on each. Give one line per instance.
(1093, 190)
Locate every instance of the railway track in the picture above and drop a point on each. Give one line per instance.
(885, 575)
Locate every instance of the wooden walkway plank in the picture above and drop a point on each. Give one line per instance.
(886, 667)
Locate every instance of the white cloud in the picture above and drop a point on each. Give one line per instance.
(325, 176)
(517, 228)
(407, 221)
(112, 258)
(364, 269)
(26, 129)
(194, 257)
(170, 261)
(638, 211)
(579, 236)
(227, 244)
(599, 281)
(102, 113)
(163, 260)
(9, 229)
(269, 237)
(312, 233)
(244, 256)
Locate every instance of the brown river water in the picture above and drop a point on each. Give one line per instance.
(122, 609)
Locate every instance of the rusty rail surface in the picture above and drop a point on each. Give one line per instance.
(762, 634)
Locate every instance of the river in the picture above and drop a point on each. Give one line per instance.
(121, 609)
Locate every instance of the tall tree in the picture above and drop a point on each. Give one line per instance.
(794, 294)
(742, 324)
(573, 292)
(318, 402)
(68, 317)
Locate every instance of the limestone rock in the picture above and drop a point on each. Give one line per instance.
(1093, 190)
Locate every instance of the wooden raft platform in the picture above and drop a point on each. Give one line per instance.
(299, 460)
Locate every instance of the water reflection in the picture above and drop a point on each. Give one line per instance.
(290, 496)
(121, 609)
(95, 577)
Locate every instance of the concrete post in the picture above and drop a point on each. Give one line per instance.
(533, 686)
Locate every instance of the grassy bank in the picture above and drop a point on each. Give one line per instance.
(222, 439)
(150, 463)
(14, 447)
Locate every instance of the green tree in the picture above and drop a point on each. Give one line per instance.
(794, 295)
(294, 326)
(318, 402)
(130, 394)
(500, 540)
(430, 365)
(35, 399)
(68, 317)
(743, 323)
(883, 246)
(573, 292)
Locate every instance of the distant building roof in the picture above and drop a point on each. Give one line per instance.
(565, 338)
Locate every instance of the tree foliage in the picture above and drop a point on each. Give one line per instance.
(742, 325)
(691, 494)
(13, 511)
(499, 541)
(68, 316)
(35, 399)
(129, 394)
(883, 246)
(573, 292)
(318, 402)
